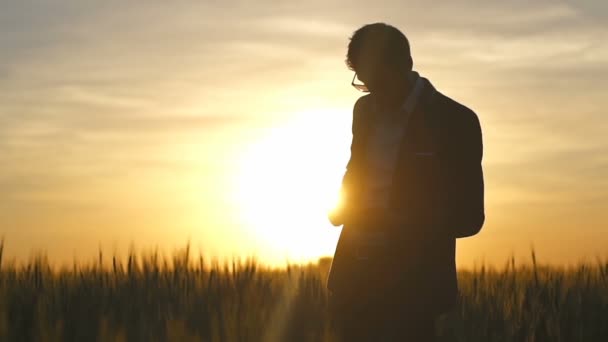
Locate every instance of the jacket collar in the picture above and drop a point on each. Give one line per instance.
(420, 94)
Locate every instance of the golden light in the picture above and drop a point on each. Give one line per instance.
(290, 180)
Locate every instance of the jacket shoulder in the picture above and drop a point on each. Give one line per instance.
(361, 109)
(362, 105)
(456, 112)
(460, 124)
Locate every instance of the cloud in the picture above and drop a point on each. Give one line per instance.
(90, 91)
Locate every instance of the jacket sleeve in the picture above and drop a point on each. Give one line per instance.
(337, 216)
(465, 183)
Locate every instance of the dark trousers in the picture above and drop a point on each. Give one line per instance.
(380, 289)
(380, 320)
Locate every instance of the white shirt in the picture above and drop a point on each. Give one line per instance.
(383, 148)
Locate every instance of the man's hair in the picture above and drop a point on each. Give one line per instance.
(378, 43)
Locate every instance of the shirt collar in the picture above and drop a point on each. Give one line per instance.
(419, 84)
(414, 95)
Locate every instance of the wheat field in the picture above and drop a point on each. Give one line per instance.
(147, 297)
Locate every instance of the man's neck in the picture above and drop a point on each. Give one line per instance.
(394, 96)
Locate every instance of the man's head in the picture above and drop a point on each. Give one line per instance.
(379, 54)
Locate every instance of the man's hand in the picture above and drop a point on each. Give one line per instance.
(335, 217)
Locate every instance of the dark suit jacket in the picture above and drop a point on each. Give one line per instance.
(437, 195)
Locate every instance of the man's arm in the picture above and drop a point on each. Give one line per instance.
(465, 215)
(337, 216)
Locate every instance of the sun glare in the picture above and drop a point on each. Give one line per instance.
(290, 180)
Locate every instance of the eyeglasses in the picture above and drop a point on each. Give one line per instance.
(359, 86)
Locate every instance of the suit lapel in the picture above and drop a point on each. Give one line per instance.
(417, 133)
(415, 128)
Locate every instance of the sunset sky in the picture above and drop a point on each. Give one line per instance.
(227, 124)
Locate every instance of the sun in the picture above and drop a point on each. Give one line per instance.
(289, 181)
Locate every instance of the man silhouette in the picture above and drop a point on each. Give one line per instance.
(413, 184)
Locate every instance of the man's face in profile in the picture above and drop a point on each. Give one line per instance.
(376, 75)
